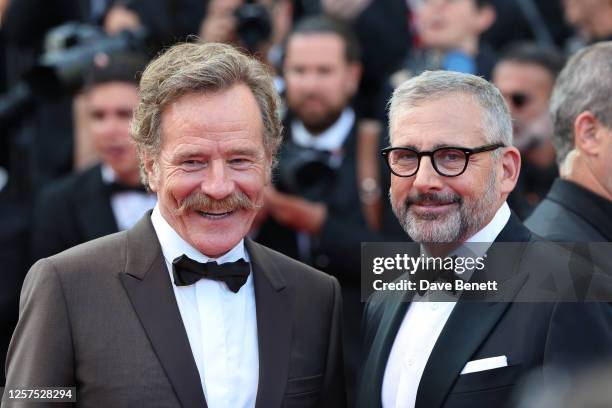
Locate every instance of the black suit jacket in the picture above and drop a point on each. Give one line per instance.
(103, 317)
(528, 334)
(71, 211)
(572, 213)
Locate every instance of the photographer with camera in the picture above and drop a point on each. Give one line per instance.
(258, 26)
(325, 201)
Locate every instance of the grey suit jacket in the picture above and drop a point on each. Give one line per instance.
(102, 316)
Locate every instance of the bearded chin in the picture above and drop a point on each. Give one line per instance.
(435, 228)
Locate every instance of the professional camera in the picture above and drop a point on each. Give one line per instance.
(254, 25)
(70, 50)
(306, 172)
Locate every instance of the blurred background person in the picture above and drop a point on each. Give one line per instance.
(525, 75)
(578, 207)
(449, 32)
(107, 197)
(591, 19)
(538, 21)
(383, 31)
(447, 36)
(324, 202)
(259, 26)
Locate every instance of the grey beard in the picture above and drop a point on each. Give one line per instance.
(455, 226)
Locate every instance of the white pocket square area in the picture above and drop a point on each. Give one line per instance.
(484, 364)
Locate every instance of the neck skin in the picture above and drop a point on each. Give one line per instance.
(469, 46)
(576, 169)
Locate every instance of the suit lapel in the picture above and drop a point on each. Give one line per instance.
(274, 321)
(467, 327)
(470, 323)
(374, 368)
(149, 288)
(96, 216)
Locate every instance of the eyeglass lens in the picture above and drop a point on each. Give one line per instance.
(449, 162)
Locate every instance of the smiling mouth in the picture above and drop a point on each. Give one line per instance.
(428, 205)
(431, 208)
(215, 216)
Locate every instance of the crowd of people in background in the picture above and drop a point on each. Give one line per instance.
(69, 73)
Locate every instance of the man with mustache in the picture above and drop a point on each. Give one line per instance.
(182, 309)
(453, 166)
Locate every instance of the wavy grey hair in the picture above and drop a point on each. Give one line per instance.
(583, 85)
(431, 85)
(200, 67)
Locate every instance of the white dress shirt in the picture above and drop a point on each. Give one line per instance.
(221, 325)
(420, 330)
(331, 139)
(128, 206)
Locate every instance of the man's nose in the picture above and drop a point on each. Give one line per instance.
(217, 183)
(427, 178)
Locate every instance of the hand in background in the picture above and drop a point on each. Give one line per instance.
(219, 24)
(295, 212)
(120, 19)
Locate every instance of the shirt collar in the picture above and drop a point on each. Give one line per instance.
(108, 174)
(331, 139)
(173, 245)
(490, 231)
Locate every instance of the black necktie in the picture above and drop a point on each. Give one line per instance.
(116, 187)
(186, 272)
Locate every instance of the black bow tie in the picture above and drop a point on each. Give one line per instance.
(117, 187)
(186, 272)
(437, 274)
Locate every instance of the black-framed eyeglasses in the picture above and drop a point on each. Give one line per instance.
(447, 161)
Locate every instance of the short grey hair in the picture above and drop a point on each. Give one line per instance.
(583, 85)
(432, 85)
(200, 67)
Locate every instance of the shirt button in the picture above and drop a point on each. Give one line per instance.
(410, 362)
(434, 306)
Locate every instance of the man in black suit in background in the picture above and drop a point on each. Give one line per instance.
(325, 203)
(578, 208)
(108, 197)
(453, 167)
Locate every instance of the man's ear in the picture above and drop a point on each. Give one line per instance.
(354, 76)
(586, 136)
(152, 169)
(486, 18)
(511, 165)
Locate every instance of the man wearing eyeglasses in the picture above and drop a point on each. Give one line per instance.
(453, 166)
